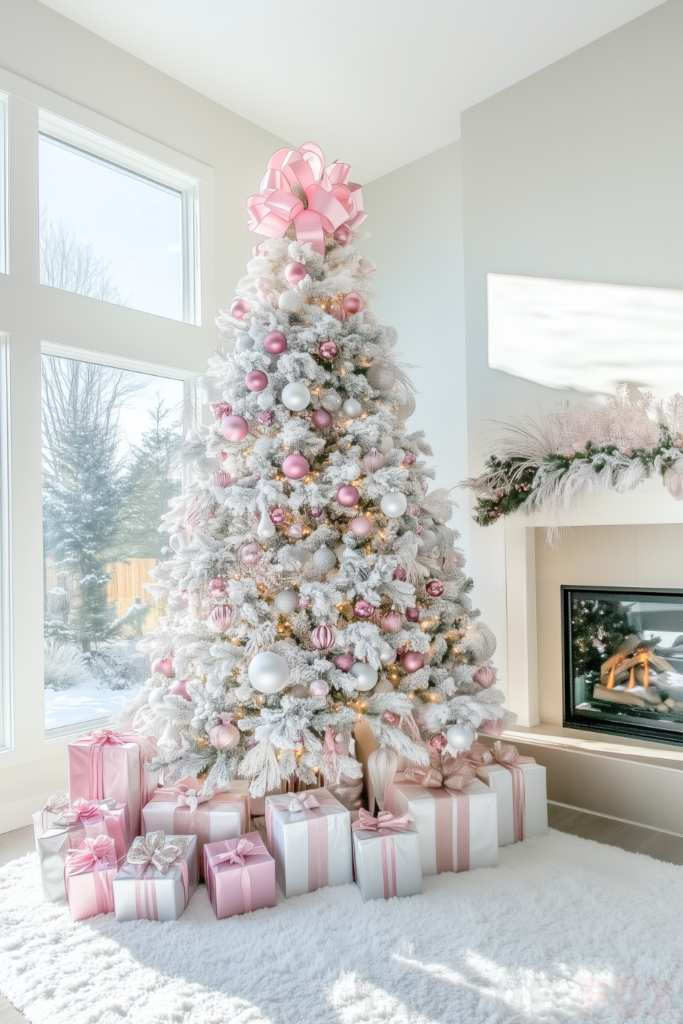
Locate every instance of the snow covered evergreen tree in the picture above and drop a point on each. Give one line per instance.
(315, 579)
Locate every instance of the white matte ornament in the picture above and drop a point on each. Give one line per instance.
(387, 656)
(352, 407)
(286, 602)
(296, 396)
(331, 401)
(290, 301)
(394, 504)
(365, 676)
(385, 445)
(170, 737)
(460, 737)
(429, 539)
(366, 264)
(156, 697)
(268, 672)
(266, 527)
(244, 343)
(265, 400)
(324, 559)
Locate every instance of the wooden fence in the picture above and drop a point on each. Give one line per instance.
(126, 584)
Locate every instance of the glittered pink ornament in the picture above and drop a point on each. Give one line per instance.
(434, 588)
(316, 512)
(295, 272)
(295, 467)
(361, 527)
(363, 609)
(251, 553)
(179, 688)
(391, 718)
(485, 676)
(409, 459)
(391, 622)
(352, 303)
(438, 742)
(343, 234)
(412, 614)
(323, 637)
(278, 516)
(399, 573)
(275, 343)
(163, 665)
(234, 428)
(412, 661)
(328, 350)
(319, 688)
(265, 418)
(348, 495)
(344, 662)
(220, 479)
(337, 311)
(373, 461)
(321, 419)
(240, 308)
(296, 530)
(413, 510)
(492, 726)
(217, 588)
(221, 409)
(225, 735)
(256, 380)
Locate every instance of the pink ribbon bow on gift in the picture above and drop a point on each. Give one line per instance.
(300, 801)
(186, 797)
(154, 851)
(297, 189)
(454, 773)
(384, 824)
(84, 810)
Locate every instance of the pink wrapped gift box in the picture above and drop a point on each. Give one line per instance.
(520, 786)
(89, 874)
(240, 875)
(386, 855)
(157, 879)
(309, 835)
(180, 811)
(107, 764)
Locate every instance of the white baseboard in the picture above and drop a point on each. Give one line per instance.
(18, 814)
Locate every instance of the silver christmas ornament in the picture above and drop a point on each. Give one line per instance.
(331, 401)
(268, 672)
(352, 407)
(387, 655)
(324, 559)
(385, 445)
(265, 400)
(460, 737)
(365, 676)
(296, 396)
(394, 504)
(286, 602)
(290, 301)
(366, 264)
(382, 376)
(244, 343)
(429, 539)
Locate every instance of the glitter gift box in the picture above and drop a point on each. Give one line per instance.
(158, 878)
(240, 875)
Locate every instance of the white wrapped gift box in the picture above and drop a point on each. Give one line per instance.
(534, 807)
(387, 861)
(146, 893)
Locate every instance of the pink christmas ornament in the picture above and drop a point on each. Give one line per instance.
(412, 661)
(295, 272)
(434, 588)
(328, 350)
(363, 609)
(343, 234)
(224, 455)
(352, 303)
(240, 308)
(413, 510)
(163, 665)
(323, 637)
(316, 512)
(391, 718)
(275, 343)
(399, 573)
(179, 688)
(438, 742)
(305, 602)
(412, 614)
(220, 618)
(321, 419)
(485, 676)
(295, 467)
(361, 527)
(391, 622)
(265, 418)
(234, 428)
(319, 688)
(492, 726)
(296, 530)
(220, 479)
(256, 380)
(278, 516)
(348, 495)
(217, 588)
(221, 409)
(409, 459)
(344, 662)
(226, 735)
(373, 461)
(251, 553)
(419, 529)
(337, 311)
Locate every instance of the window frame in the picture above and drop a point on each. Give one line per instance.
(4, 188)
(6, 618)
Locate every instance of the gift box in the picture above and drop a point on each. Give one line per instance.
(157, 879)
(309, 835)
(386, 855)
(89, 873)
(519, 784)
(85, 819)
(456, 818)
(240, 875)
(183, 812)
(48, 813)
(108, 764)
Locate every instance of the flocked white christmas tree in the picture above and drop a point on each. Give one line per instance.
(314, 580)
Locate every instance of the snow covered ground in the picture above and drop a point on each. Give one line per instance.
(82, 703)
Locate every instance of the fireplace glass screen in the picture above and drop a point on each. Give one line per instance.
(623, 661)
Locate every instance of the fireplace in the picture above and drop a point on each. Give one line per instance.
(623, 661)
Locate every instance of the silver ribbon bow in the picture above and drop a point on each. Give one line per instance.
(156, 850)
(56, 802)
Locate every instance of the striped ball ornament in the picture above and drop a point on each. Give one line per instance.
(322, 637)
(220, 618)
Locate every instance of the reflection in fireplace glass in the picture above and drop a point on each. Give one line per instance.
(623, 661)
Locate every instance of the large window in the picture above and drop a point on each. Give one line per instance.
(110, 437)
(112, 231)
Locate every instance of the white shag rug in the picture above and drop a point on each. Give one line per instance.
(563, 930)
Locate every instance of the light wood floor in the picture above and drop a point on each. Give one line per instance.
(635, 838)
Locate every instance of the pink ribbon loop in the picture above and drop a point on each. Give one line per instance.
(236, 852)
(298, 190)
(97, 855)
(454, 773)
(384, 824)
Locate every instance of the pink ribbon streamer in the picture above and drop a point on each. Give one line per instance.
(236, 852)
(506, 755)
(318, 854)
(96, 855)
(297, 189)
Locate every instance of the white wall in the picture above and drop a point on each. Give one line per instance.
(575, 172)
(416, 225)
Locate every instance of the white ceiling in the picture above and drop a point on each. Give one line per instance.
(376, 83)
